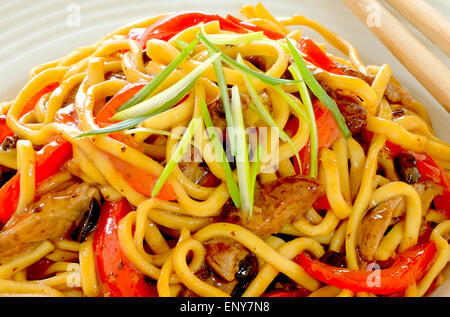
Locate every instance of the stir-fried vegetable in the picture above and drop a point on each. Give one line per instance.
(317, 89)
(407, 269)
(262, 111)
(158, 80)
(177, 155)
(242, 162)
(273, 81)
(221, 156)
(167, 98)
(117, 275)
(313, 138)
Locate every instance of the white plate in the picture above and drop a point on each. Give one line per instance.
(35, 32)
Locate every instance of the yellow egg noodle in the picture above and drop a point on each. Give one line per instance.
(167, 241)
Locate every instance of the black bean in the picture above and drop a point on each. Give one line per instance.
(88, 222)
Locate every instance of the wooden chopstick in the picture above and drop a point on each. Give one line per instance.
(420, 62)
(427, 20)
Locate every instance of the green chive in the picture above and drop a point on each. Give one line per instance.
(133, 122)
(177, 155)
(262, 111)
(317, 89)
(152, 131)
(161, 100)
(120, 126)
(313, 137)
(221, 156)
(242, 162)
(273, 81)
(152, 85)
(298, 111)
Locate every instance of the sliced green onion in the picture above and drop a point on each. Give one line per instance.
(152, 131)
(242, 162)
(317, 89)
(159, 102)
(235, 39)
(120, 126)
(262, 112)
(152, 85)
(298, 111)
(313, 138)
(177, 155)
(221, 156)
(254, 172)
(133, 122)
(273, 81)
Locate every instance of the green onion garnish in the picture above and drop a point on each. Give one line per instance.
(263, 113)
(255, 171)
(298, 111)
(306, 99)
(235, 39)
(273, 81)
(242, 162)
(177, 155)
(317, 89)
(159, 102)
(151, 131)
(152, 85)
(133, 122)
(220, 155)
(120, 126)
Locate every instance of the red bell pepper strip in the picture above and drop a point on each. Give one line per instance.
(327, 132)
(300, 292)
(429, 170)
(317, 56)
(109, 109)
(167, 27)
(141, 180)
(49, 161)
(408, 268)
(117, 275)
(255, 28)
(322, 203)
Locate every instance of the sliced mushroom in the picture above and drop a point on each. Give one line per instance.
(374, 225)
(276, 204)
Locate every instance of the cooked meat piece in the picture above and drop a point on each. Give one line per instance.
(354, 114)
(396, 94)
(49, 218)
(406, 166)
(374, 225)
(276, 204)
(223, 255)
(349, 105)
(356, 73)
(9, 143)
